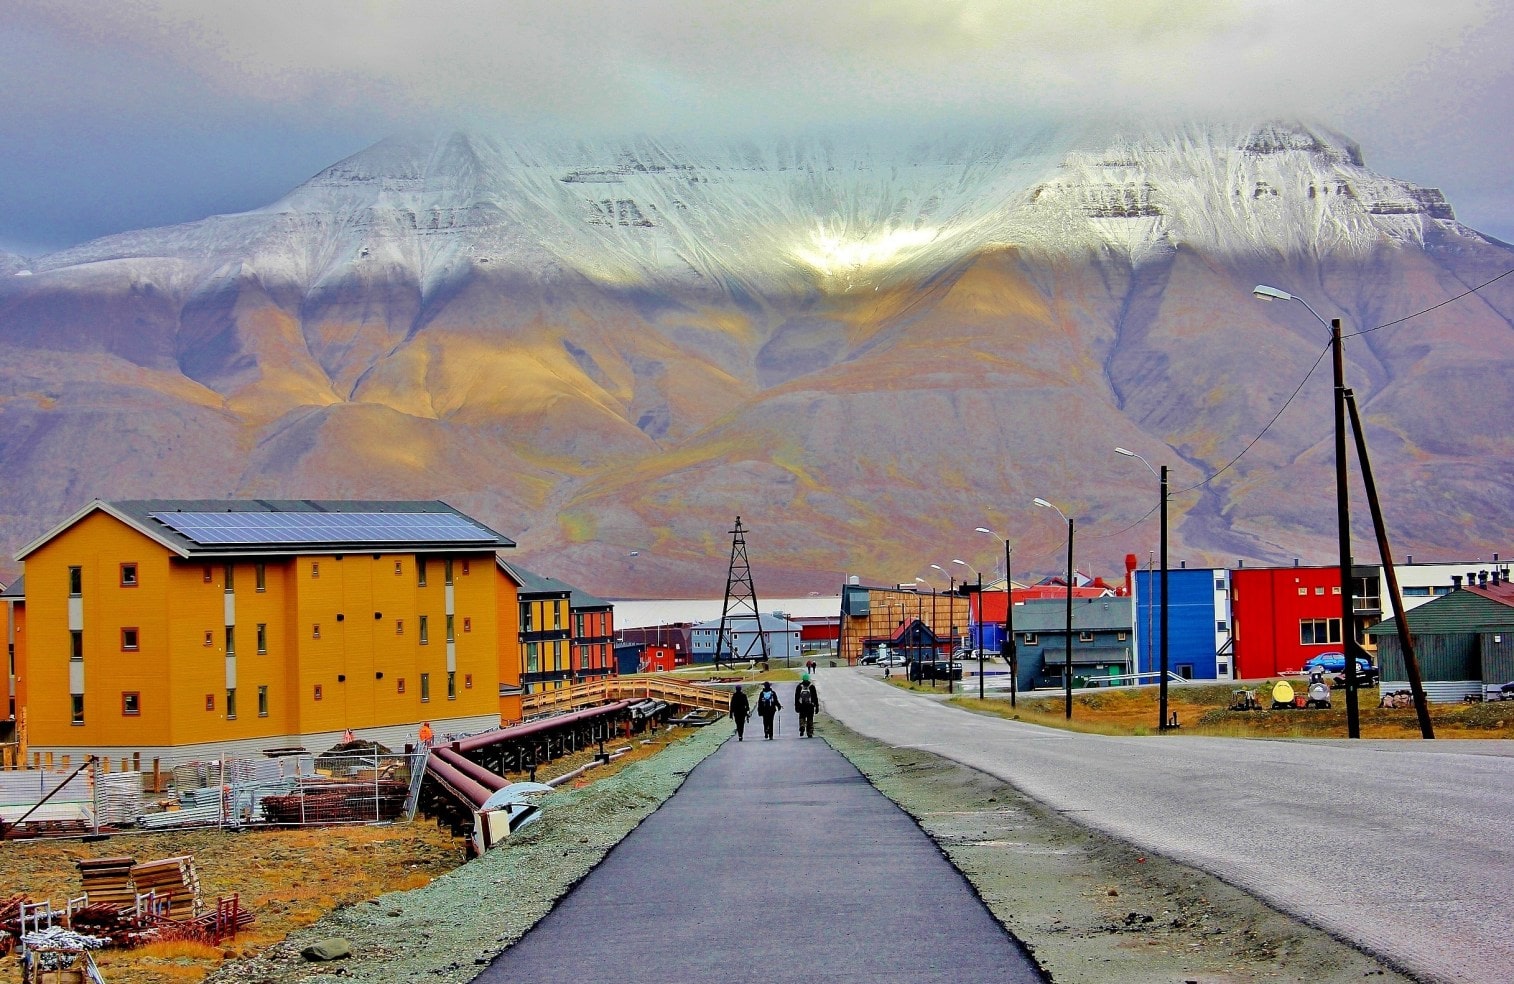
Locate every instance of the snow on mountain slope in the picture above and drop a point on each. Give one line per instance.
(796, 216)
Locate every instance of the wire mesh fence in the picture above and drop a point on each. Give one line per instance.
(298, 788)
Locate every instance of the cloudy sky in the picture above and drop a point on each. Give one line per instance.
(121, 114)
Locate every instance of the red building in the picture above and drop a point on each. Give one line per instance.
(1281, 616)
(593, 641)
(658, 658)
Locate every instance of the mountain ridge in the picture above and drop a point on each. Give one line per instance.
(597, 346)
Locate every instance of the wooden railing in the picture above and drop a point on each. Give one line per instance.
(592, 692)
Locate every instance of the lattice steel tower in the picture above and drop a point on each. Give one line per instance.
(740, 598)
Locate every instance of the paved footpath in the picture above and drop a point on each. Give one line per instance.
(776, 861)
(1402, 847)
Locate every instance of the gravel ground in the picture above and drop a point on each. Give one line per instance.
(1087, 908)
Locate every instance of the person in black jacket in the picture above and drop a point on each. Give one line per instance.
(806, 702)
(767, 709)
(740, 711)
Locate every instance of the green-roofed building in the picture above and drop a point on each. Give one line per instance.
(1463, 643)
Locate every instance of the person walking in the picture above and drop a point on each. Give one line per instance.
(426, 735)
(740, 711)
(806, 702)
(767, 709)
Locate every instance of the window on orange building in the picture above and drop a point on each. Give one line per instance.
(263, 701)
(129, 575)
(75, 582)
(129, 640)
(131, 703)
(77, 702)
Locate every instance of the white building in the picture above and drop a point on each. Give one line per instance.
(742, 642)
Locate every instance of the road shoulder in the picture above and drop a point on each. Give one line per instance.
(1088, 907)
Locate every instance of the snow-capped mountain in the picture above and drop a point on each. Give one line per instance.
(796, 215)
(587, 341)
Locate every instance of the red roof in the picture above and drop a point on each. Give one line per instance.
(1502, 592)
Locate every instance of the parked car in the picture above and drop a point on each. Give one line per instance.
(1366, 673)
(938, 669)
(892, 659)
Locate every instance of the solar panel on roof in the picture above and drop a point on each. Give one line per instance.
(323, 527)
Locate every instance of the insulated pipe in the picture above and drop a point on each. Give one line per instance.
(545, 726)
(471, 770)
(466, 789)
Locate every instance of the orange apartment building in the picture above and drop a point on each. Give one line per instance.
(169, 627)
(564, 635)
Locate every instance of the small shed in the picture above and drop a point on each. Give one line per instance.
(1463, 642)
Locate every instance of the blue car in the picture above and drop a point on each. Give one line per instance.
(1335, 663)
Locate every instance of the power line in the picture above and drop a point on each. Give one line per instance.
(1449, 300)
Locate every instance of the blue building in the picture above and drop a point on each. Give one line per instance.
(1199, 626)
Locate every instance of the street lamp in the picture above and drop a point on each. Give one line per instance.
(951, 616)
(1009, 617)
(1162, 681)
(1067, 673)
(979, 644)
(1342, 501)
(933, 615)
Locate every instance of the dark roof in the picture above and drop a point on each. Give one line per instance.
(196, 538)
(1466, 610)
(535, 584)
(16, 589)
(1088, 615)
(583, 600)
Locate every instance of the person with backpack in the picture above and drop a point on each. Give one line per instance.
(740, 711)
(806, 702)
(767, 709)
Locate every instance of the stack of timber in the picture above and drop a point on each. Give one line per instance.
(174, 879)
(108, 881)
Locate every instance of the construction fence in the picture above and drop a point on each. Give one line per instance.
(284, 790)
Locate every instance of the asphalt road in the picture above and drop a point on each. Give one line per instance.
(1405, 848)
(775, 861)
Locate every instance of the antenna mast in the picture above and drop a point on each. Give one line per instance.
(740, 598)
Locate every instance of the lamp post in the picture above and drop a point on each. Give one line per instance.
(951, 616)
(1009, 615)
(1342, 501)
(978, 643)
(933, 615)
(1067, 673)
(1162, 683)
